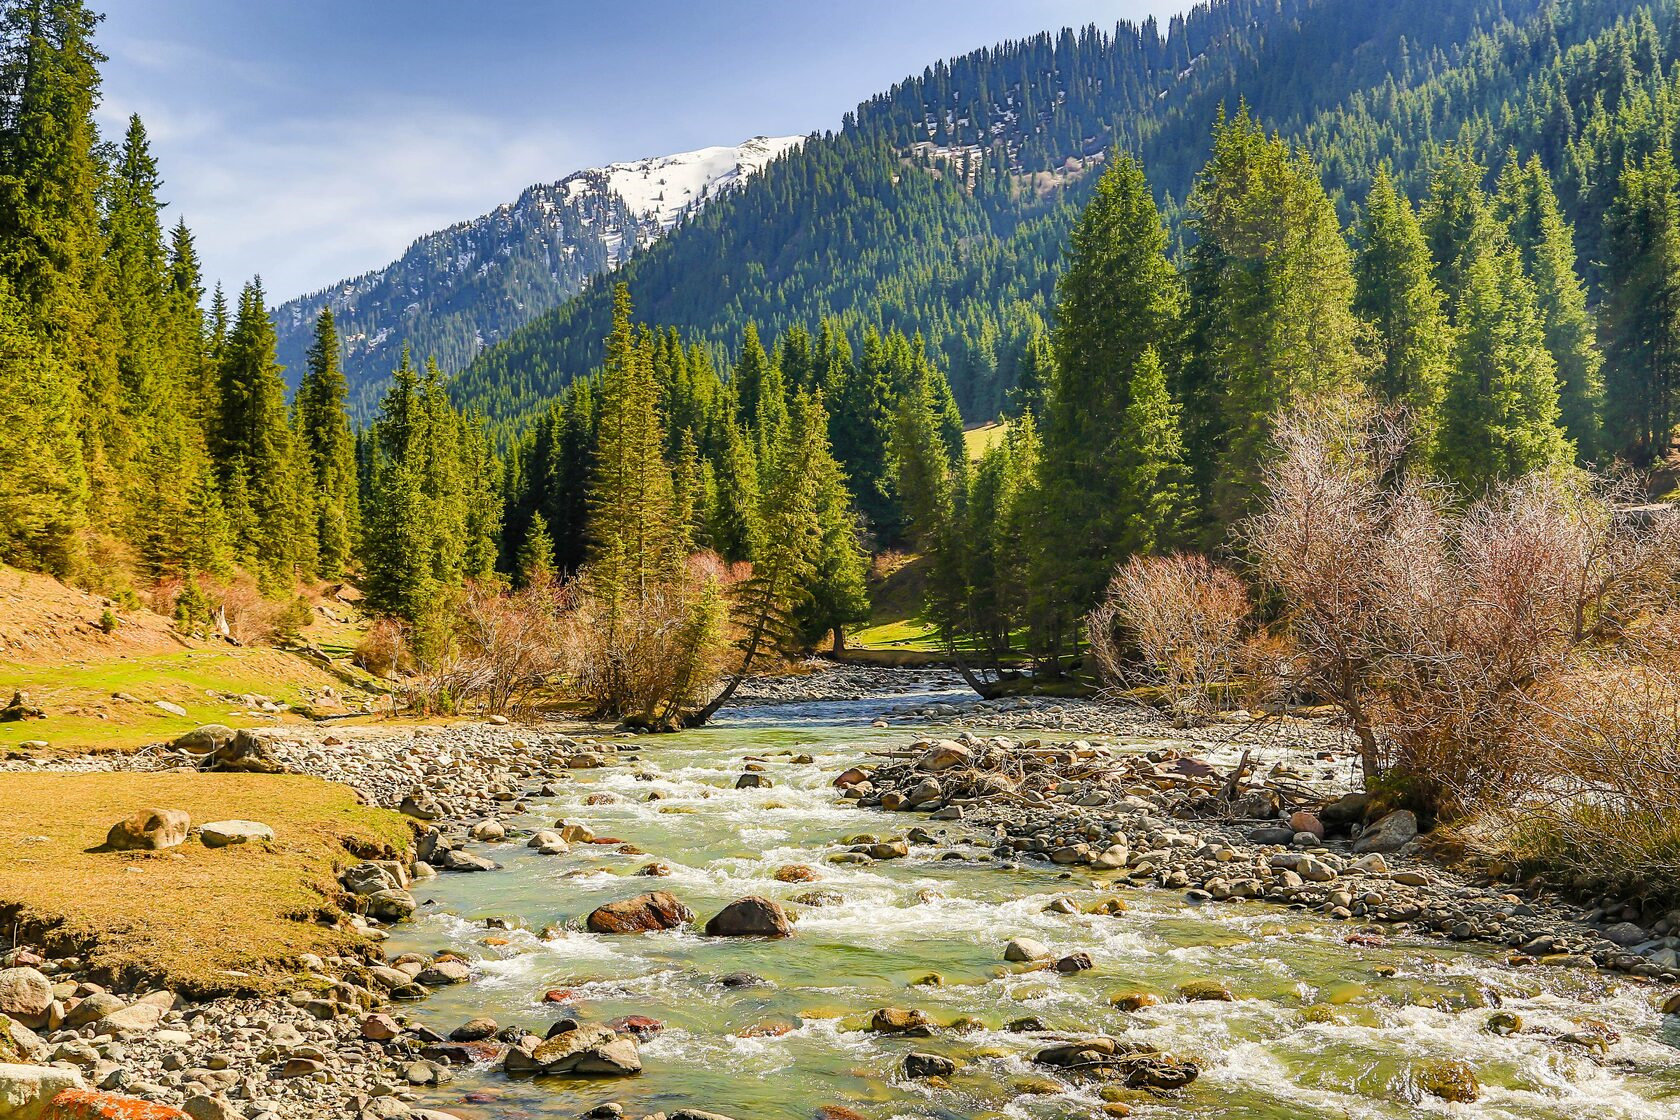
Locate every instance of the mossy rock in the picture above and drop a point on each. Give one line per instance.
(1323, 1013)
(1504, 1023)
(1451, 1081)
(1037, 1086)
(1133, 1001)
(1204, 991)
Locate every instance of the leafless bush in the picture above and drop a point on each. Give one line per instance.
(1600, 804)
(652, 660)
(1436, 630)
(1186, 618)
(385, 648)
(502, 649)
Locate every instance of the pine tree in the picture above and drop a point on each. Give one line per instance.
(1396, 293)
(1271, 295)
(536, 556)
(1642, 309)
(631, 508)
(43, 493)
(1529, 207)
(1499, 418)
(254, 435)
(1119, 301)
(324, 429)
(734, 525)
(839, 591)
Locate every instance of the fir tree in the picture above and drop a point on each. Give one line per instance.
(535, 565)
(1397, 294)
(1500, 415)
(324, 428)
(1642, 310)
(1529, 207)
(43, 493)
(1119, 300)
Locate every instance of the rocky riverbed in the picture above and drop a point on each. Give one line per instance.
(959, 959)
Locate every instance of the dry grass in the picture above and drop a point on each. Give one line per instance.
(194, 919)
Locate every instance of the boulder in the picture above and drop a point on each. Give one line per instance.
(897, 1020)
(1388, 834)
(1073, 962)
(1205, 991)
(920, 1065)
(380, 1028)
(1346, 811)
(1451, 1081)
(367, 878)
(391, 905)
(26, 1091)
(205, 740)
(136, 1018)
(474, 1030)
(1303, 821)
(489, 832)
(655, 910)
(753, 781)
(1022, 950)
(20, 1044)
(92, 1009)
(591, 1051)
(149, 830)
(246, 753)
(203, 1106)
(457, 860)
(947, 754)
(222, 834)
(92, 1104)
(25, 995)
(750, 917)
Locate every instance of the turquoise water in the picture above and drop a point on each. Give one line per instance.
(1317, 1033)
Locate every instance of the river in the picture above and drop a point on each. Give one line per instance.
(1321, 1030)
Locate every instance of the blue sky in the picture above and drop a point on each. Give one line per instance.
(310, 140)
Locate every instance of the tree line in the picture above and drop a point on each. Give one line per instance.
(1153, 430)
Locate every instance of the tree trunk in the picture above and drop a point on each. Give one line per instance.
(839, 649)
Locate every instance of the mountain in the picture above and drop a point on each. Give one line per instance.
(942, 206)
(461, 289)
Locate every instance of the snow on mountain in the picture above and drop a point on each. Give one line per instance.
(458, 290)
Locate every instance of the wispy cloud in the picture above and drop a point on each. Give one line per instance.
(311, 200)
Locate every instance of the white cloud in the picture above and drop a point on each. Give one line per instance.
(308, 201)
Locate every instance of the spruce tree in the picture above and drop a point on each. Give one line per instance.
(1271, 296)
(1118, 301)
(1642, 309)
(1397, 294)
(1529, 207)
(43, 491)
(1499, 418)
(535, 565)
(324, 428)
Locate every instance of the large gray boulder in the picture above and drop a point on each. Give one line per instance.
(588, 1051)
(1389, 834)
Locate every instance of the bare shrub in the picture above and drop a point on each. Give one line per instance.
(1185, 617)
(384, 650)
(1600, 802)
(501, 649)
(1437, 630)
(650, 661)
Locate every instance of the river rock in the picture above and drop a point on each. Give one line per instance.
(222, 834)
(149, 830)
(920, 1065)
(947, 754)
(391, 905)
(136, 1018)
(92, 1009)
(25, 1090)
(488, 832)
(367, 878)
(754, 781)
(1024, 949)
(474, 1030)
(25, 995)
(912, 1023)
(1205, 991)
(456, 860)
(750, 917)
(1073, 962)
(380, 1028)
(1303, 821)
(204, 740)
(1388, 834)
(1451, 1081)
(655, 910)
(592, 1051)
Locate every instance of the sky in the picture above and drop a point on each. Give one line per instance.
(313, 140)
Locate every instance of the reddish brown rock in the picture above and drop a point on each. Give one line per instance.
(652, 911)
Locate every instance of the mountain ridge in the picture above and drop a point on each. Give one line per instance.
(457, 290)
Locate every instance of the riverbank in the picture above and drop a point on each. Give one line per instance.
(567, 820)
(1200, 820)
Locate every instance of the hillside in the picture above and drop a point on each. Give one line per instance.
(461, 289)
(942, 205)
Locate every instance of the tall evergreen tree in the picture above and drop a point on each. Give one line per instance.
(1397, 294)
(1500, 415)
(324, 428)
(1642, 309)
(43, 494)
(1271, 295)
(1529, 207)
(1119, 304)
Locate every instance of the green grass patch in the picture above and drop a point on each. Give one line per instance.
(981, 438)
(84, 714)
(198, 920)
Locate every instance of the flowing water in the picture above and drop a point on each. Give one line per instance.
(1317, 1032)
